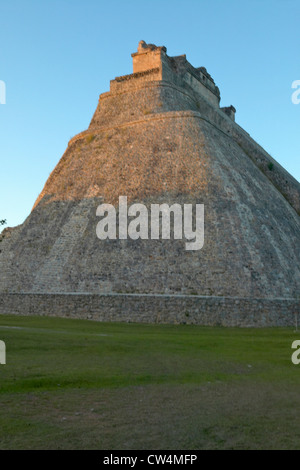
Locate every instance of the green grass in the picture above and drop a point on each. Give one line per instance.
(81, 384)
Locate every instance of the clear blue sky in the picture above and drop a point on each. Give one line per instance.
(57, 56)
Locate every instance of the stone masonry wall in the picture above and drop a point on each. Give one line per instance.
(251, 244)
(176, 309)
(161, 97)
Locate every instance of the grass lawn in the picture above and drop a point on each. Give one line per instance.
(75, 384)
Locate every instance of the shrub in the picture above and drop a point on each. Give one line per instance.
(89, 138)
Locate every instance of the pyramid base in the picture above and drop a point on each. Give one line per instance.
(155, 308)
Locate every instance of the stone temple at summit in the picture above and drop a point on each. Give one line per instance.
(160, 136)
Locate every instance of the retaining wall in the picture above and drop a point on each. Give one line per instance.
(149, 308)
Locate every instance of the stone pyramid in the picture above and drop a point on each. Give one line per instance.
(159, 135)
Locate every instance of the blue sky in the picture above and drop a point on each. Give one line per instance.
(57, 56)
